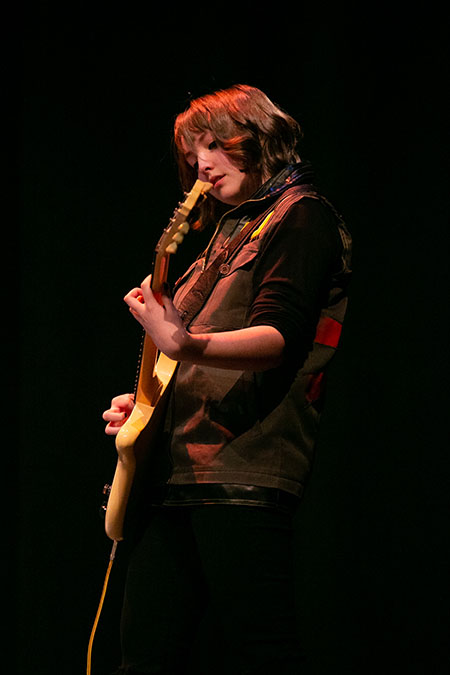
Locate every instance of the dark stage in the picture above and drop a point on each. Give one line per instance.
(96, 90)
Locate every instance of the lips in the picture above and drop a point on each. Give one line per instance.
(215, 179)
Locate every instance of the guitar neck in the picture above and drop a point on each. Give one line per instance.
(160, 273)
(168, 243)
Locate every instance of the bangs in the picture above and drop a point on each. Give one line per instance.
(208, 114)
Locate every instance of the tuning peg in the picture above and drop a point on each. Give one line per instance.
(172, 248)
(178, 237)
(184, 228)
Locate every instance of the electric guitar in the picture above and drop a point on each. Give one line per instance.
(135, 437)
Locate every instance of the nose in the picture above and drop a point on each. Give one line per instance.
(205, 163)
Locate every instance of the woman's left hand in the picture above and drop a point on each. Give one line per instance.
(160, 321)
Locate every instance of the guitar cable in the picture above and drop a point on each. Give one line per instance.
(100, 606)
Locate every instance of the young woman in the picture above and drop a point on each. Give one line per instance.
(245, 406)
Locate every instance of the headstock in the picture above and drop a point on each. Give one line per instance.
(174, 233)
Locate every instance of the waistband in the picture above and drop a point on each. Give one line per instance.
(228, 493)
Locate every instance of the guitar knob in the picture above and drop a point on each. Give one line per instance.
(106, 490)
(183, 228)
(178, 237)
(172, 248)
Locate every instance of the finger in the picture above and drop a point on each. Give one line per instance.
(134, 293)
(112, 429)
(122, 401)
(115, 421)
(170, 309)
(136, 315)
(147, 282)
(134, 299)
(147, 291)
(113, 416)
(110, 411)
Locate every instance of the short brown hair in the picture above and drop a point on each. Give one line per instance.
(255, 133)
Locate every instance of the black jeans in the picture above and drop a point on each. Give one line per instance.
(237, 560)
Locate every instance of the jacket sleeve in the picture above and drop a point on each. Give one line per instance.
(294, 273)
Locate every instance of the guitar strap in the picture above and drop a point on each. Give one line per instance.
(200, 291)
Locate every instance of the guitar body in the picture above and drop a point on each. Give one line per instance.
(136, 439)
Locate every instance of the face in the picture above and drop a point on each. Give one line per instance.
(230, 184)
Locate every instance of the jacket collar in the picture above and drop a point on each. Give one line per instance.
(293, 174)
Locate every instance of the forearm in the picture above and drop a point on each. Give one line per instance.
(255, 348)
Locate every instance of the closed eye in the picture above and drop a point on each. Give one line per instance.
(191, 157)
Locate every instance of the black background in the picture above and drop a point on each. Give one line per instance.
(97, 87)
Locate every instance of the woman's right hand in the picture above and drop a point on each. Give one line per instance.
(118, 413)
